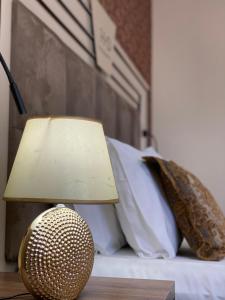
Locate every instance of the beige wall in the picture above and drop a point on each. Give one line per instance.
(2, 215)
(188, 86)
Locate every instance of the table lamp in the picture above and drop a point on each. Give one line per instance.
(60, 160)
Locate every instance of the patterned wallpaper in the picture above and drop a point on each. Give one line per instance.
(133, 20)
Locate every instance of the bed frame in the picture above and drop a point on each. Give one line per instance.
(56, 81)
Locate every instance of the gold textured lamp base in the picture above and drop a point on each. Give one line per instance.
(56, 255)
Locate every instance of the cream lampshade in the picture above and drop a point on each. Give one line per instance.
(60, 160)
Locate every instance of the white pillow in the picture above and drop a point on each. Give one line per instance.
(145, 217)
(104, 225)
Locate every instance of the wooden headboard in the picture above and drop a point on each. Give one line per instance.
(55, 81)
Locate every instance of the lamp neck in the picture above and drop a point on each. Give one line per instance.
(13, 87)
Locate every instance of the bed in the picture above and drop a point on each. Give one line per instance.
(48, 91)
(194, 279)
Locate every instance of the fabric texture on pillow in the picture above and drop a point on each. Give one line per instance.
(198, 215)
(144, 214)
(104, 225)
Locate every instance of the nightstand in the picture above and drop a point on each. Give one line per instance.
(101, 288)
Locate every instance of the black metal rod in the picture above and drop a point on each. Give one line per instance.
(13, 87)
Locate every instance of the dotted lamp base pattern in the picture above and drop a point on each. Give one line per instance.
(56, 255)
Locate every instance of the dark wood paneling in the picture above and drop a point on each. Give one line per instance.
(126, 128)
(106, 110)
(135, 136)
(55, 81)
(81, 81)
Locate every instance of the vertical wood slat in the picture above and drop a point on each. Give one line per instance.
(125, 122)
(80, 87)
(106, 108)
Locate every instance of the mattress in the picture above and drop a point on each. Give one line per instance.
(194, 279)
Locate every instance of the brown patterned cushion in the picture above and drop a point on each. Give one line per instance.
(197, 213)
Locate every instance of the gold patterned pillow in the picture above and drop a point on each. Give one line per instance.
(197, 214)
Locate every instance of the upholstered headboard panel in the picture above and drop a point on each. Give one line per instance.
(55, 81)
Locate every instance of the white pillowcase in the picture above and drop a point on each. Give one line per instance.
(145, 217)
(104, 225)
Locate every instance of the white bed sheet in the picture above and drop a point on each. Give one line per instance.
(194, 279)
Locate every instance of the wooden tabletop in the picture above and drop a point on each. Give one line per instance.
(101, 288)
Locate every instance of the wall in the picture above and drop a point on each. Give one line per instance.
(188, 86)
(4, 104)
(133, 20)
(2, 208)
